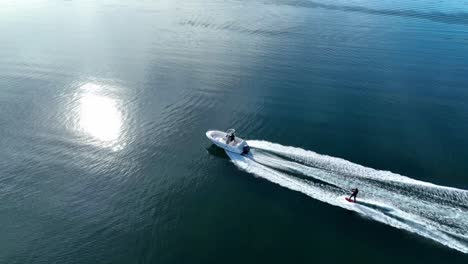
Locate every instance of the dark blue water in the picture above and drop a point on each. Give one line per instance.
(104, 107)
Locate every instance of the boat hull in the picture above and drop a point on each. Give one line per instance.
(218, 138)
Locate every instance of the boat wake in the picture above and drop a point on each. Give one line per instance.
(435, 212)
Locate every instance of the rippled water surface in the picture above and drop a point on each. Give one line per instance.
(104, 107)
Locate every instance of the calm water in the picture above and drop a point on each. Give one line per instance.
(104, 106)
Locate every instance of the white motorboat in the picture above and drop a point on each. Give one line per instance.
(228, 141)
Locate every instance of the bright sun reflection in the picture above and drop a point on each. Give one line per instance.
(99, 115)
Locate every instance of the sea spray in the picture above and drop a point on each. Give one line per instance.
(432, 211)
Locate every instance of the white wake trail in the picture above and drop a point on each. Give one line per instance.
(435, 212)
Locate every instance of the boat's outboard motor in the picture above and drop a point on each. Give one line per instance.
(245, 149)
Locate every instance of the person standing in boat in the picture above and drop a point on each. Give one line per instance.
(230, 138)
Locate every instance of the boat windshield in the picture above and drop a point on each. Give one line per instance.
(230, 131)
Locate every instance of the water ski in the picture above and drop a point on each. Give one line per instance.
(349, 200)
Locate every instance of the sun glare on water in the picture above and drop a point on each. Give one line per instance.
(99, 115)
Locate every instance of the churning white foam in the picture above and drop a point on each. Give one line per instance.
(436, 212)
